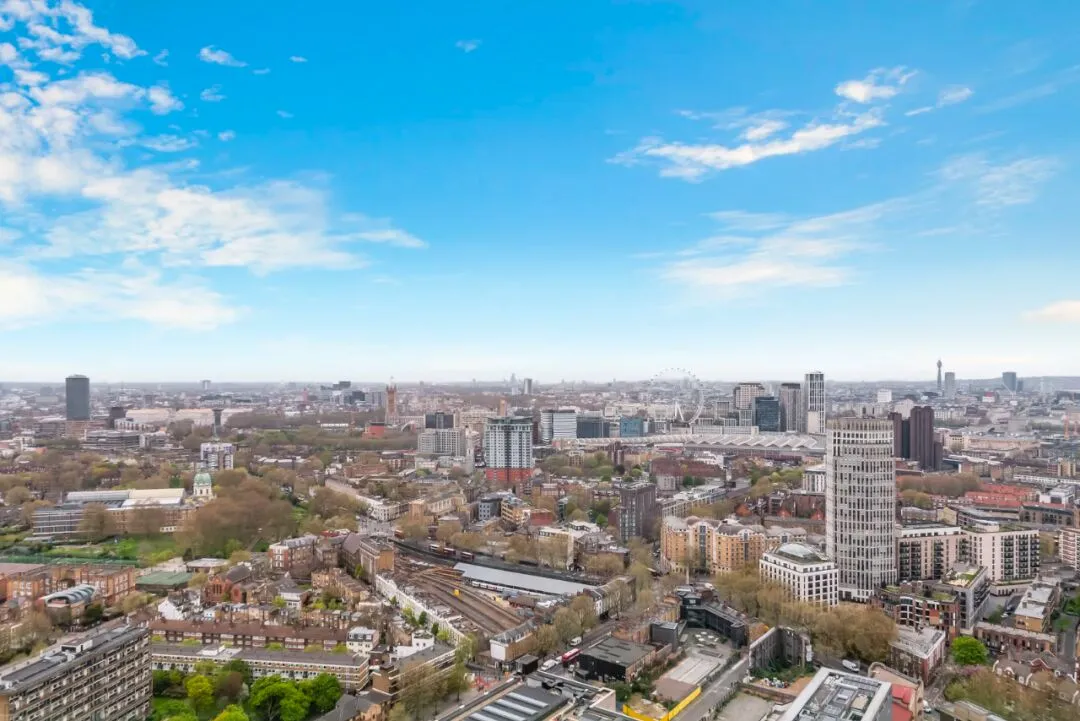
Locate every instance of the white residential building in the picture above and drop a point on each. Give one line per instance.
(813, 479)
(444, 442)
(1069, 547)
(508, 450)
(1009, 553)
(860, 504)
(808, 575)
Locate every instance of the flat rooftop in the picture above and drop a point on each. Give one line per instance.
(839, 696)
(521, 703)
(615, 650)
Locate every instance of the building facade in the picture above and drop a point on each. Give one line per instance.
(743, 401)
(791, 407)
(100, 675)
(928, 550)
(637, 510)
(558, 424)
(508, 450)
(443, 442)
(860, 504)
(814, 397)
(767, 414)
(808, 575)
(1009, 553)
(216, 456)
(77, 398)
(705, 545)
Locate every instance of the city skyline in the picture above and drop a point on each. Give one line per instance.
(220, 202)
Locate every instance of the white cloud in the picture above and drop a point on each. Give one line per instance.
(692, 162)
(216, 56)
(1000, 185)
(951, 95)
(880, 84)
(1062, 311)
(467, 46)
(212, 94)
(31, 297)
(68, 193)
(297, 59)
(763, 130)
(163, 102)
(757, 250)
(162, 58)
(261, 71)
(769, 133)
(59, 32)
(169, 143)
(284, 114)
(392, 236)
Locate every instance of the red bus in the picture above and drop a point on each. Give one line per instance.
(570, 656)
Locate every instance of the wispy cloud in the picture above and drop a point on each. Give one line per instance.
(392, 236)
(467, 45)
(1062, 311)
(951, 95)
(297, 59)
(261, 71)
(999, 185)
(758, 250)
(770, 133)
(285, 114)
(162, 58)
(168, 143)
(226, 135)
(880, 84)
(1057, 81)
(693, 162)
(216, 56)
(212, 94)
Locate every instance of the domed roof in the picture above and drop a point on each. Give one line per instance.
(202, 478)
(801, 552)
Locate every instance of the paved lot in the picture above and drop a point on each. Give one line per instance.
(745, 707)
(693, 668)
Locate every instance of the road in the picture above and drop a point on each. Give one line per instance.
(714, 693)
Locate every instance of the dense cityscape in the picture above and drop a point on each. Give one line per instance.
(671, 546)
(622, 360)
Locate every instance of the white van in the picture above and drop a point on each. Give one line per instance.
(549, 664)
(850, 665)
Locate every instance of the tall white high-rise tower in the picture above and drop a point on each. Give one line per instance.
(814, 396)
(860, 504)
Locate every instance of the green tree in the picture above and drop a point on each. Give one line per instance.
(200, 691)
(276, 698)
(232, 712)
(546, 638)
(567, 624)
(241, 667)
(968, 651)
(324, 691)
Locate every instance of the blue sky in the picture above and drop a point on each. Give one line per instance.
(443, 191)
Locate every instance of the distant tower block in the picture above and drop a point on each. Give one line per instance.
(939, 382)
(217, 421)
(391, 401)
(205, 385)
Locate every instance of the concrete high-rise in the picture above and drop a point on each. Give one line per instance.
(914, 440)
(508, 450)
(939, 383)
(77, 394)
(744, 395)
(860, 504)
(637, 510)
(791, 406)
(950, 385)
(1008, 379)
(438, 420)
(814, 397)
